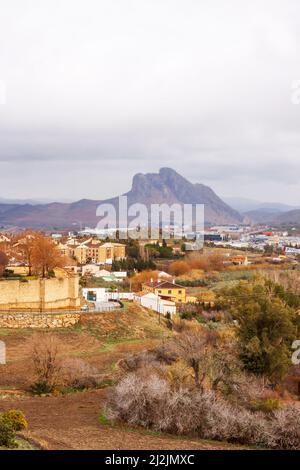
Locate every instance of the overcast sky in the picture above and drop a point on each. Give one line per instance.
(97, 90)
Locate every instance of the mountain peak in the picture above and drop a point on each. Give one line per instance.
(166, 171)
(166, 186)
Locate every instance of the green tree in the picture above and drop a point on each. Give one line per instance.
(266, 326)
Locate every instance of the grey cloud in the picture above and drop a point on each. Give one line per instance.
(203, 87)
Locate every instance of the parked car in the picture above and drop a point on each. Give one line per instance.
(85, 308)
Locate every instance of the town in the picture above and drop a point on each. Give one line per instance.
(149, 232)
(100, 316)
(106, 272)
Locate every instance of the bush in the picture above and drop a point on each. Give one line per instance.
(7, 434)
(52, 373)
(46, 362)
(234, 424)
(138, 402)
(145, 398)
(136, 361)
(150, 401)
(267, 405)
(15, 419)
(286, 429)
(82, 383)
(41, 388)
(78, 374)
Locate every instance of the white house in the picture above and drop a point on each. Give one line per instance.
(95, 294)
(154, 302)
(100, 294)
(120, 274)
(90, 269)
(102, 273)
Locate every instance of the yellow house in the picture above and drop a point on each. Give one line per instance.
(63, 249)
(167, 290)
(80, 252)
(110, 251)
(97, 253)
(93, 253)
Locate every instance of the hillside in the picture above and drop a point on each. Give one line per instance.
(167, 186)
(274, 217)
(71, 421)
(244, 205)
(290, 218)
(262, 215)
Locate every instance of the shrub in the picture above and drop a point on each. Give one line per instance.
(41, 388)
(15, 419)
(103, 419)
(78, 374)
(52, 373)
(138, 402)
(135, 361)
(7, 434)
(286, 429)
(178, 268)
(82, 383)
(267, 405)
(235, 424)
(150, 401)
(46, 362)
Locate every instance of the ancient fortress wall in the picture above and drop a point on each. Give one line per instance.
(40, 294)
(38, 320)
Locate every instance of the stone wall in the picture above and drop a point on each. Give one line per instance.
(41, 294)
(38, 320)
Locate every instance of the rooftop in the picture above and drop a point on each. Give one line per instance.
(163, 285)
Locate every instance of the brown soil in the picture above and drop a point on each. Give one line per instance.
(72, 422)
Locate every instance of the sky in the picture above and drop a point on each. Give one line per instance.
(94, 91)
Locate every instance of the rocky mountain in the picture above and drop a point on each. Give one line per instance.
(167, 186)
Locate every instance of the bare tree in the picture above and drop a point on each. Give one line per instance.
(45, 358)
(194, 346)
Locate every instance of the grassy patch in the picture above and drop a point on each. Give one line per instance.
(112, 343)
(16, 331)
(104, 420)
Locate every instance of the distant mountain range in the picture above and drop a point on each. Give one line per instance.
(244, 205)
(167, 186)
(265, 212)
(288, 218)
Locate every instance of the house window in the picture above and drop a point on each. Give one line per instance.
(179, 292)
(169, 292)
(159, 291)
